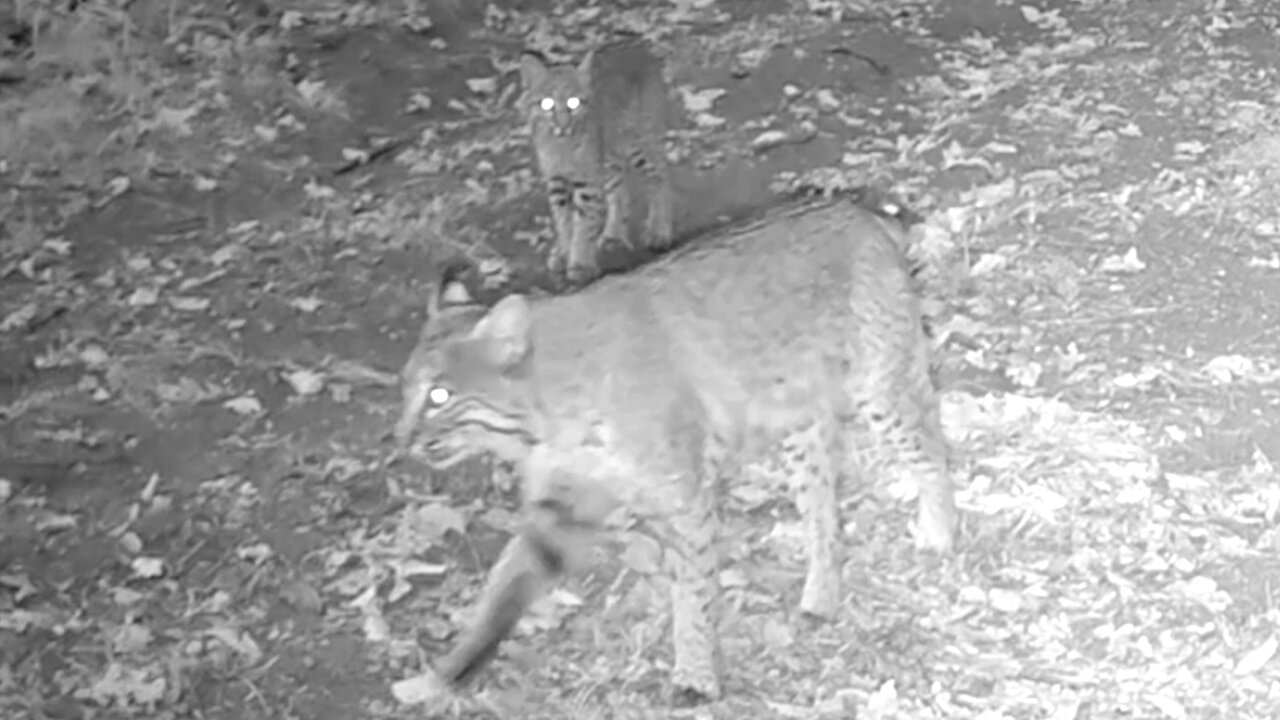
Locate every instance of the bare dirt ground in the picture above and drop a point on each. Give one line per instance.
(214, 225)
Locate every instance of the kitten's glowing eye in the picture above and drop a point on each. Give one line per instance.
(438, 396)
(573, 103)
(547, 104)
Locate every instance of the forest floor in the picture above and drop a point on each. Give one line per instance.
(216, 219)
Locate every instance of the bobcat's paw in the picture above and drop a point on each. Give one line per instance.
(935, 532)
(820, 598)
(659, 240)
(556, 261)
(582, 271)
(691, 689)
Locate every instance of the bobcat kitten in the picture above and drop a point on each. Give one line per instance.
(599, 135)
(797, 338)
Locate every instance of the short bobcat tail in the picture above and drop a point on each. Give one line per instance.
(533, 559)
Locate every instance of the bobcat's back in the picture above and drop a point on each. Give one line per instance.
(761, 323)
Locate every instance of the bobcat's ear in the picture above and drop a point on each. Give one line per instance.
(585, 68)
(533, 69)
(506, 331)
(446, 289)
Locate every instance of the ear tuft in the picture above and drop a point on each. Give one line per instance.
(447, 289)
(507, 331)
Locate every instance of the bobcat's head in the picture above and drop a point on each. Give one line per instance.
(466, 386)
(556, 96)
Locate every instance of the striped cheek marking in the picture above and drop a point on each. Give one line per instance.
(469, 426)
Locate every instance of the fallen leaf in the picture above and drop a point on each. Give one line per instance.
(424, 526)
(239, 641)
(424, 688)
(131, 543)
(698, 101)
(1123, 264)
(128, 686)
(642, 554)
(143, 297)
(147, 567)
(1253, 661)
(306, 304)
(189, 304)
(19, 318)
(129, 638)
(244, 405)
(483, 86)
(305, 382)
(255, 553)
(302, 595)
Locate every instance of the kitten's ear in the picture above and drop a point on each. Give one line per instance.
(533, 69)
(446, 289)
(507, 331)
(585, 67)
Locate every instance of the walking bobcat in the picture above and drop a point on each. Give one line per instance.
(599, 136)
(799, 336)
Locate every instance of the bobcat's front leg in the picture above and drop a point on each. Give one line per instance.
(659, 224)
(617, 218)
(560, 197)
(589, 218)
(694, 565)
(691, 529)
(807, 461)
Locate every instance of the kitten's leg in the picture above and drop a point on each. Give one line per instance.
(660, 218)
(808, 460)
(560, 197)
(617, 212)
(588, 220)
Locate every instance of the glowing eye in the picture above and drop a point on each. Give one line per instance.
(573, 103)
(547, 104)
(439, 396)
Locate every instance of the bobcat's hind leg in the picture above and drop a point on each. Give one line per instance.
(900, 433)
(807, 460)
(891, 392)
(924, 452)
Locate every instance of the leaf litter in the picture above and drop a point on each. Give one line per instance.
(1098, 578)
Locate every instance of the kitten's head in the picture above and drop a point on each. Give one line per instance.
(466, 385)
(556, 96)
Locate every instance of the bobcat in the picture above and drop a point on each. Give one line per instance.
(799, 336)
(598, 133)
